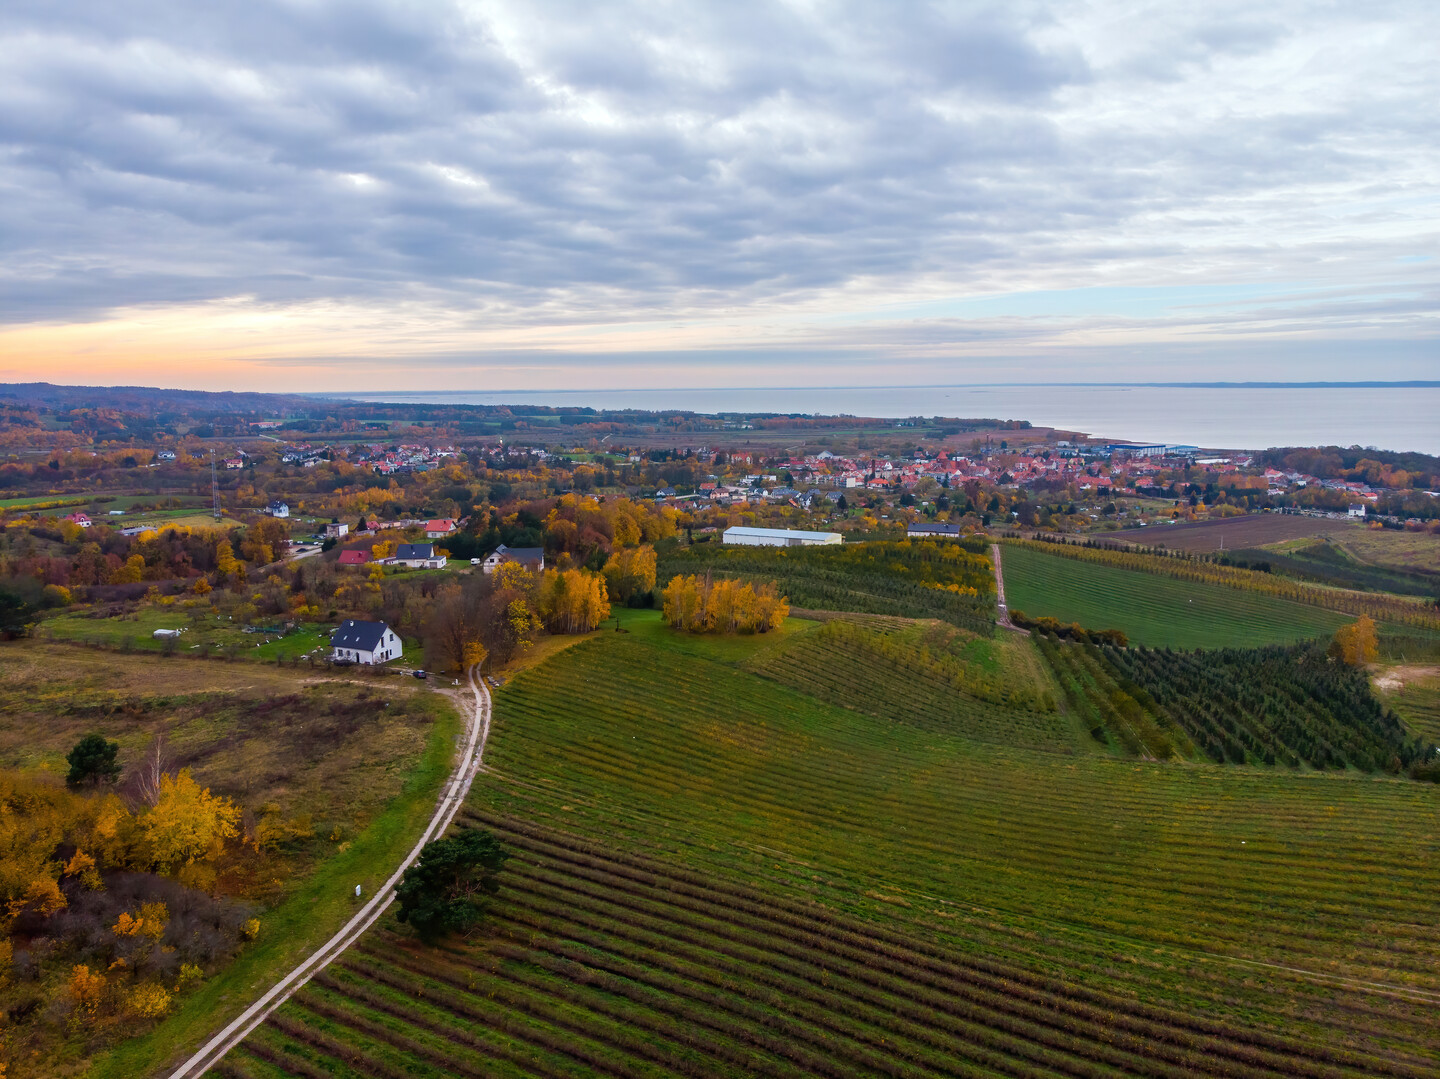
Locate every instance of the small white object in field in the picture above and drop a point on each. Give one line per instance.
(357, 891)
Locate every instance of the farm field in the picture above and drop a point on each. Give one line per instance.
(716, 874)
(1161, 612)
(1254, 530)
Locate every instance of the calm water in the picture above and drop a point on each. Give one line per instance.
(1220, 417)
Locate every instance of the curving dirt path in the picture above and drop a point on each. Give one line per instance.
(451, 799)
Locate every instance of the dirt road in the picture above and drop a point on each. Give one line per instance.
(449, 804)
(1004, 619)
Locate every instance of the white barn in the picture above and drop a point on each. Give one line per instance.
(364, 642)
(779, 537)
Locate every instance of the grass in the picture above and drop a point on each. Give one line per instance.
(1157, 611)
(1414, 694)
(364, 762)
(716, 874)
(1387, 547)
(138, 628)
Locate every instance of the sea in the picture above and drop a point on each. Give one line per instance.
(1400, 417)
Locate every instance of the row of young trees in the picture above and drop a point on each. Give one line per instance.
(1275, 705)
(704, 605)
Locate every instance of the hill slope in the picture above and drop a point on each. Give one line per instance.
(716, 874)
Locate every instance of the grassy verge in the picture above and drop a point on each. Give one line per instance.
(303, 921)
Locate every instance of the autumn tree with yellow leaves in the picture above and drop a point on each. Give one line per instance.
(630, 571)
(573, 601)
(1356, 644)
(701, 605)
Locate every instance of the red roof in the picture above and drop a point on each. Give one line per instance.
(444, 525)
(354, 558)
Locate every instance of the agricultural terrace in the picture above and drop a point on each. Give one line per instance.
(951, 580)
(718, 874)
(1154, 610)
(333, 779)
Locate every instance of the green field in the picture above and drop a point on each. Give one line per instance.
(1161, 612)
(135, 632)
(1418, 704)
(716, 874)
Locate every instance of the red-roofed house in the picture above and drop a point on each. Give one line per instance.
(439, 529)
(353, 558)
(80, 519)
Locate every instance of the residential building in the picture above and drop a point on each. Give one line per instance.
(353, 558)
(278, 509)
(439, 529)
(532, 558)
(364, 642)
(336, 529)
(418, 556)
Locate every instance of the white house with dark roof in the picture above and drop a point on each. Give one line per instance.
(364, 642)
(278, 509)
(418, 556)
(532, 558)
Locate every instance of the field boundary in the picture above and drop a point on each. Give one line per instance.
(448, 806)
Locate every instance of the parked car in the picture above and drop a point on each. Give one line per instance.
(421, 674)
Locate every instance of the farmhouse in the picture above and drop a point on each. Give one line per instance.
(1356, 509)
(779, 537)
(418, 556)
(532, 558)
(364, 642)
(278, 509)
(439, 529)
(353, 558)
(81, 519)
(930, 530)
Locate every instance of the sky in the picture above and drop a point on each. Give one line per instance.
(322, 196)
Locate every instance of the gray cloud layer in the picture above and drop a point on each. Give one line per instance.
(550, 161)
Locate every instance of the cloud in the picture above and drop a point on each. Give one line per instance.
(739, 167)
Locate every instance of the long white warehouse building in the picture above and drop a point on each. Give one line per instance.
(780, 537)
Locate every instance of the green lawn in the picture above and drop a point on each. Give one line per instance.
(218, 634)
(717, 874)
(1161, 612)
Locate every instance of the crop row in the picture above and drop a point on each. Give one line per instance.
(616, 965)
(1317, 879)
(854, 668)
(663, 754)
(1183, 568)
(1276, 704)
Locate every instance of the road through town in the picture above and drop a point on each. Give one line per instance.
(451, 799)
